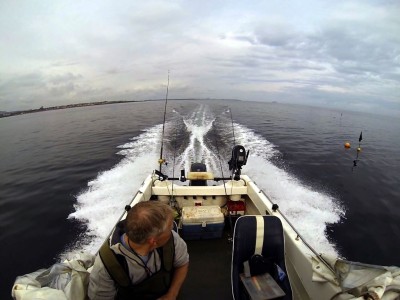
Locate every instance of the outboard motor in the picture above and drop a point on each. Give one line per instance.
(238, 160)
(198, 167)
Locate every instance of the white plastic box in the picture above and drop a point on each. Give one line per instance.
(202, 222)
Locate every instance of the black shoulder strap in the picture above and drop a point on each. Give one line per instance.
(113, 265)
(168, 254)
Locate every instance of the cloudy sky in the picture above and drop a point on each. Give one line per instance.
(338, 54)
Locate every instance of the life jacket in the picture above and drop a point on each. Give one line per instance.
(152, 287)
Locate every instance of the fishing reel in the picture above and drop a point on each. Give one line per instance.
(238, 160)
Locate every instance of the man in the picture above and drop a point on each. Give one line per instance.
(153, 258)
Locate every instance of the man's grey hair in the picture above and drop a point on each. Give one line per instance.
(147, 219)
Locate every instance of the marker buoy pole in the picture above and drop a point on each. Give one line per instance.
(358, 151)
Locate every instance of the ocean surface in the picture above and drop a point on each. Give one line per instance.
(66, 175)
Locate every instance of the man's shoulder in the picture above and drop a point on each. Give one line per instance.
(181, 253)
(177, 239)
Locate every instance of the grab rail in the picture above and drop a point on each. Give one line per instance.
(275, 208)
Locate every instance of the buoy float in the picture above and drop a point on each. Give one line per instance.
(347, 145)
(359, 149)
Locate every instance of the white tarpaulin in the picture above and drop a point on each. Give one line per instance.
(358, 280)
(62, 281)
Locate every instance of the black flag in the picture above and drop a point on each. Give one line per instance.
(360, 138)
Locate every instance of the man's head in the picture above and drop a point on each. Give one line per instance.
(149, 221)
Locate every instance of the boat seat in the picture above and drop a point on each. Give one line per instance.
(270, 244)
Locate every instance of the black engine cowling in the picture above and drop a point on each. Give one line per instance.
(198, 167)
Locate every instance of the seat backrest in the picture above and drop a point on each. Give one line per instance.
(271, 246)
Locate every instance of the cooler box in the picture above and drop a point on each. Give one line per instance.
(202, 222)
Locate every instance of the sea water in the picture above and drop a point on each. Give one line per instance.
(66, 175)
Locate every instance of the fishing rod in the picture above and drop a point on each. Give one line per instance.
(239, 155)
(233, 129)
(162, 160)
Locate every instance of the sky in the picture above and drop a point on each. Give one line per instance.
(336, 54)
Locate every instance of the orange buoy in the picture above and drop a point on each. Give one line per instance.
(347, 145)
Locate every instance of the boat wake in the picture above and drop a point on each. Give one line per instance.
(201, 136)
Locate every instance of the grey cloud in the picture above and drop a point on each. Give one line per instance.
(37, 86)
(350, 55)
(24, 81)
(274, 36)
(350, 46)
(367, 52)
(62, 78)
(62, 89)
(20, 90)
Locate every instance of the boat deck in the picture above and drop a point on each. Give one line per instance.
(209, 274)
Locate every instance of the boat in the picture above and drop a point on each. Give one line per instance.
(219, 218)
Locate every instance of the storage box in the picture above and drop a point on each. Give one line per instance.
(202, 222)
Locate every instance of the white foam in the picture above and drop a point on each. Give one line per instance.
(101, 205)
(198, 125)
(309, 211)
(257, 145)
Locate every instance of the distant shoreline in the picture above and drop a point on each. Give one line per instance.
(4, 114)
